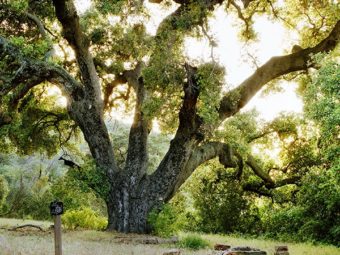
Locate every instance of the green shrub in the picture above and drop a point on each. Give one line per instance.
(314, 217)
(193, 241)
(84, 218)
(220, 203)
(3, 190)
(163, 223)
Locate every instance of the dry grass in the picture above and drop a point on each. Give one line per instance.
(35, 242)
(268, 246)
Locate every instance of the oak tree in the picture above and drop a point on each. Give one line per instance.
(105, 58)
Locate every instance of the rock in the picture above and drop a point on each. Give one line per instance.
(150, 241)
(244, 250)
(245, 253)
(172, 252)
(281, 250)
(221, 247)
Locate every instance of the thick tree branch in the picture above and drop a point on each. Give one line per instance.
(264, 190)
(29, 74)
(268, 182)
(207, 152)
(187, 137)
(87, 108)
(237, 98)
(32, 72)
(108, 90)
(69, 19)
(189, 121)
(137, 156)
(44, 34)
(251, 162)
(39, 24)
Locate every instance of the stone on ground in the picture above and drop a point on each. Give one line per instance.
(244, 250)
(172, 252)
(221, 247)
(281, 250)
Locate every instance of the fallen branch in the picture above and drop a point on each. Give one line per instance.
(26, 225)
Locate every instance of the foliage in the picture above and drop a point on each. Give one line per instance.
(36, 50)
(320, 199)
(3, 190)
(84, 218)
(30, 202)
(210, 77)
(92, 178)
(33, 182)
(40, 125)
(315, 215)
(72, 193)
(239, 130)
(321, 98)
(163, 222)
(193, 241)
(220, 203)
(172, 218)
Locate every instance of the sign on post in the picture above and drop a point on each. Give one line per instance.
(57, 209)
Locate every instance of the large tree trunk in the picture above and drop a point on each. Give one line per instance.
(127, 213)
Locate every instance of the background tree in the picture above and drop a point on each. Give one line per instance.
(99, 63)
(313, 215)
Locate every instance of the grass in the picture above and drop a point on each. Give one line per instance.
(268, 245)
(193, 242)
(35, 242)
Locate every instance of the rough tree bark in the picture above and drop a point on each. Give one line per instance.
(132, 192)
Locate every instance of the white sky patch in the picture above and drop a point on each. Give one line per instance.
(82, 5)
(270, 106)
(158, 13)
(55, 91)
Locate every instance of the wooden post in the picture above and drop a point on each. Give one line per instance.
(57, 209)
(57, 235)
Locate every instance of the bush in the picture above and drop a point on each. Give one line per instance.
(193, 241)
(84, 218)
(163, 223)
(315, 216)
(220, 203)
(3, 190)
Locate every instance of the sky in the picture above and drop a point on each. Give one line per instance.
(273, 39)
